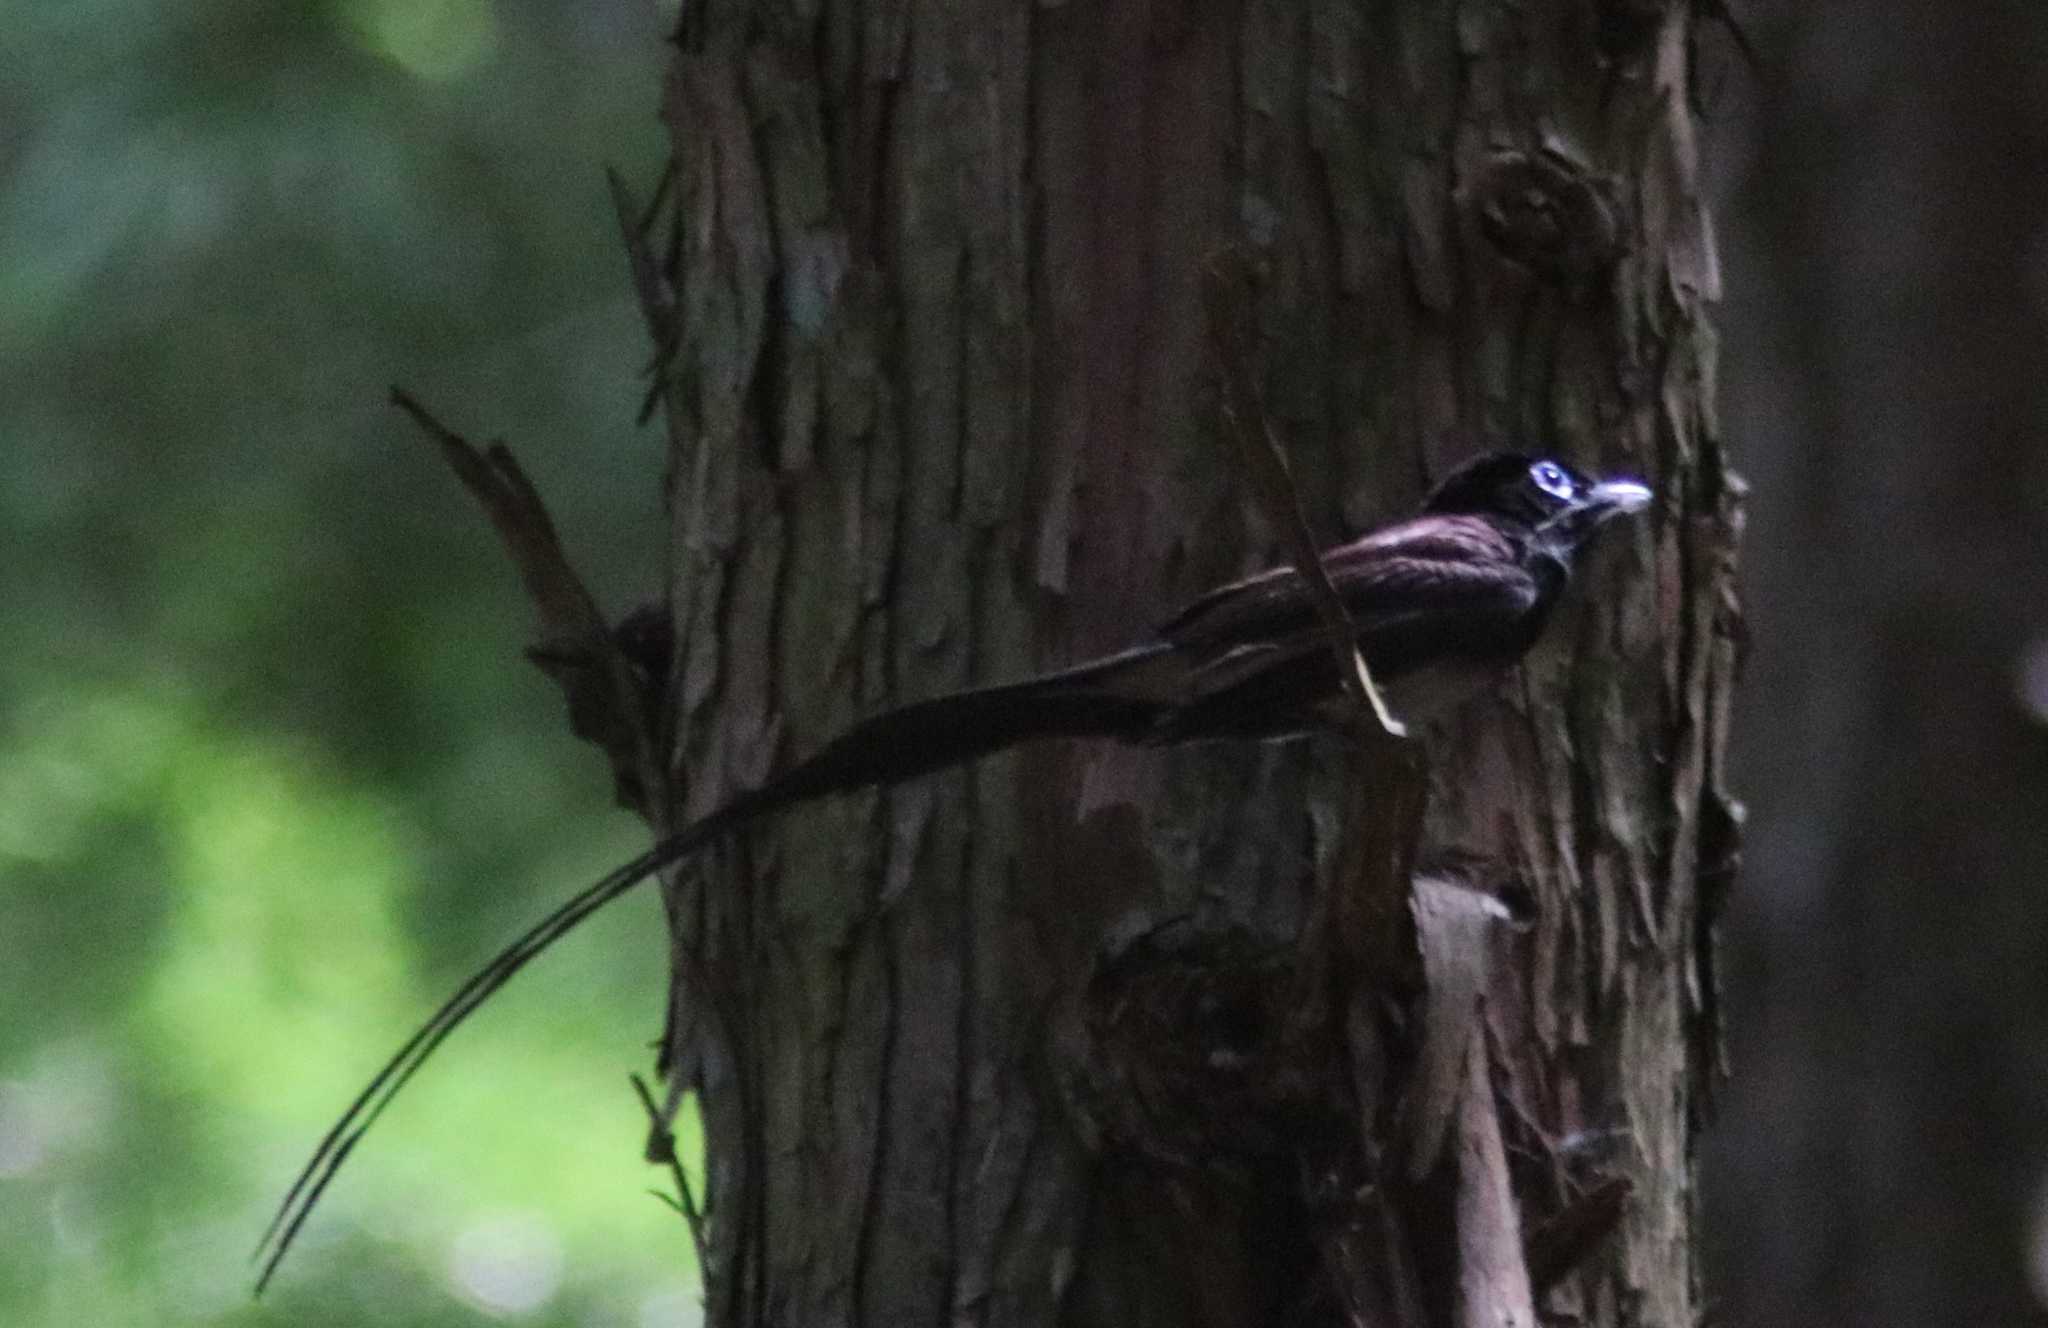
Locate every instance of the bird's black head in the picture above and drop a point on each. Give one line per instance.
(1550, 500)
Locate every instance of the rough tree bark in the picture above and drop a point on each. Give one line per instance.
(942, 399)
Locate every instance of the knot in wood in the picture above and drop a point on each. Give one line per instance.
(1181, 1050)
(1549, 213)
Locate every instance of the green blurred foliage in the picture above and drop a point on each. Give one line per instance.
(272, 776)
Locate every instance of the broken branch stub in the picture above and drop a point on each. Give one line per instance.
(611, 681)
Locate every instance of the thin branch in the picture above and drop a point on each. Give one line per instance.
(1360, 933)
(1223, 291)
(661, 1146)
(657, 297)
(1364, 924)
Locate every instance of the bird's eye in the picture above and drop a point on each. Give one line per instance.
(1551, 478)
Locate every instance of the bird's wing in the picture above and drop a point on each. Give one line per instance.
(1448, 585)
(1264, 669)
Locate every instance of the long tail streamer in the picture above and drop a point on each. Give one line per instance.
(319, 1171)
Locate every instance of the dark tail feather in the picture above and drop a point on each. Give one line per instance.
(1115, 697)
(319, 1171)
(1103, 699)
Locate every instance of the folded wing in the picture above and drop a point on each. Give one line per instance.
(1450, 592)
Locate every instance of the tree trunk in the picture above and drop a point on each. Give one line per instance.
(1882, 1161)
(941, 394)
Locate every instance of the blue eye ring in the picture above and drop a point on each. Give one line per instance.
(1552, 479)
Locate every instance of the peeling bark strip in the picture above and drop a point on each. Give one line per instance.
(925, 284)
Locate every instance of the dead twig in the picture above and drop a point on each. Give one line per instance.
(661, 1149)
(607, 704)
(1266, 465)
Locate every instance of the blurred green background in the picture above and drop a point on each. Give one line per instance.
(273, 777)
(272, 774)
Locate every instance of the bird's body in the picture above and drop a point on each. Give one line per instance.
(1440, 603)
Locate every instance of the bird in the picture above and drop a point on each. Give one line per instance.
(1441, 603)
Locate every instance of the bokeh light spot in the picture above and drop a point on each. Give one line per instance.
(2030, 680)
(23, 1142)
(511, 1264)
(2036, 1238)
(432, 39)
(680, 1306)
(65, 1102)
